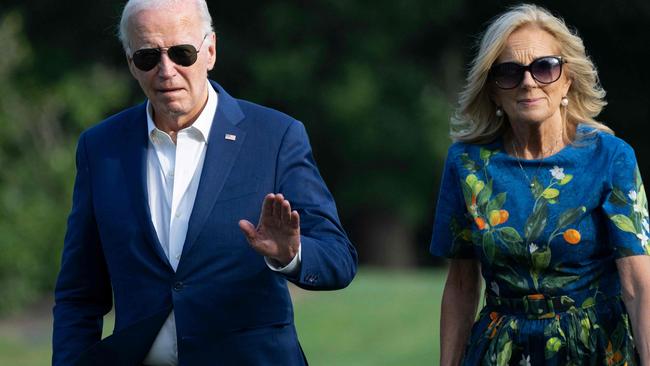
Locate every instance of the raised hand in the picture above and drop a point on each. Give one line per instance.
(277, 235)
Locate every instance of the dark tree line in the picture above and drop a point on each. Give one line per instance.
(373, 81)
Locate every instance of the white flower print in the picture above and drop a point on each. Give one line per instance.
(533, 248)
(643, 237)
(495, 287)
(557, 172)
(525, 361)
(645, 225)
(638, 208)
(632, 195)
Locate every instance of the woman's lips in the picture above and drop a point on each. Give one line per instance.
(529, 101)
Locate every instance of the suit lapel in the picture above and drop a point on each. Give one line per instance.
(224, 144)
(134, 163)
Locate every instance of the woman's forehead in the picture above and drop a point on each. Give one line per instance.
(528, 43)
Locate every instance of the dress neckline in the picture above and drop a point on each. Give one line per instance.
(563, 151)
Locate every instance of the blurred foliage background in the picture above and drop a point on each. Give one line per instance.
(374, 82)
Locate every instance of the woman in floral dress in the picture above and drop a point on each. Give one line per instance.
(546, 204)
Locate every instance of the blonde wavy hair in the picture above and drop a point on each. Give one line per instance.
(475, 120)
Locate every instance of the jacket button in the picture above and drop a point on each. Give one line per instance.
(178, 286)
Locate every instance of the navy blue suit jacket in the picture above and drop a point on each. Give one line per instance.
(230, 308)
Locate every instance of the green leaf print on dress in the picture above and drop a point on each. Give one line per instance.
(636, 222)
(485, 208)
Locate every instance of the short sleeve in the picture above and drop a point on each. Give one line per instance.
(626, 206)
(451, 229)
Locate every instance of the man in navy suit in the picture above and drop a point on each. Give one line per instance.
(163, 205)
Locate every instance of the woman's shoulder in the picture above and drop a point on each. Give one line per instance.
(467, 158)
(460, 147)
(603, 141)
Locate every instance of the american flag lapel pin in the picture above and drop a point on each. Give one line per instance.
(231, 137)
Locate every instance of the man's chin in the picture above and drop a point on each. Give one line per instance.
(173, 109)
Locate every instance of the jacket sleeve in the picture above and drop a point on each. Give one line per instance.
(328, 259)
(83, 292)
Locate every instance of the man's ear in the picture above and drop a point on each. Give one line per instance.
(129, 61)
(212, 51)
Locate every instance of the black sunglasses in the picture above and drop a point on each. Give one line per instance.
(183, 54)
(545, 70)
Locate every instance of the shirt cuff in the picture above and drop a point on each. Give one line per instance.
(290, 269)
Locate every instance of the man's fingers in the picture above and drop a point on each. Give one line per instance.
(249, 230)
(295, 220)
(277, 207)
(267, 206)
(286, 213)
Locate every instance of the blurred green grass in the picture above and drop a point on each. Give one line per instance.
(382, 318)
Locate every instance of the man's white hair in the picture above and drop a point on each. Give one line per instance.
(134, 6)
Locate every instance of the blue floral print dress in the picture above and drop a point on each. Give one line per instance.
(547, 234)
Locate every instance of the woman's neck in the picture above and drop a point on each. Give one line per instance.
(536, 141)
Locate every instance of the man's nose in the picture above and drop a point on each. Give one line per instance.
(166, 67)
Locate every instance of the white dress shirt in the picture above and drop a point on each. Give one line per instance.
(173, 174)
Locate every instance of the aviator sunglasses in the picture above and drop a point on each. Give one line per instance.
(545, 70)
(146, 59)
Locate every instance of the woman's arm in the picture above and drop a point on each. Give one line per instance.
(635, 282)
(458, 311)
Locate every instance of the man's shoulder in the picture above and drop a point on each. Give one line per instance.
(116, 122)
(253, 109)
(263, 117)
(256, 116)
